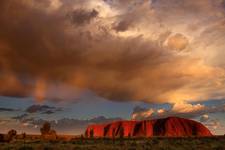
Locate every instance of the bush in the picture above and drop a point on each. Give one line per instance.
(47, 132)
(11, 135)
(45, 129)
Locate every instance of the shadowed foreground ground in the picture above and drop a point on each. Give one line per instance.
(213, 143)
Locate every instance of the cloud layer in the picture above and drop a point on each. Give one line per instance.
(62, 126)
(120, 50)
(182, 109)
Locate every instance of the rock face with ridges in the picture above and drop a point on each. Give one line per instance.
(171, 127)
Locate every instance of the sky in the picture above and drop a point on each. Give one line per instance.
(78, 62)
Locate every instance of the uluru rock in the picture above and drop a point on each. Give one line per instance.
(171, 127)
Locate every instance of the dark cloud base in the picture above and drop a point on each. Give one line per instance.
(42, 46)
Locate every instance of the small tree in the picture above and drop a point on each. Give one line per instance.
(53, 134)
(47, 132)
(45, 129)
(11, 134)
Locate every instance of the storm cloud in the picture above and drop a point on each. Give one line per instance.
(119, 53)
(7, 109)
(45, 109)
(81, 17)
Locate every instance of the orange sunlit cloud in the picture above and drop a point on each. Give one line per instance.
(122, 51)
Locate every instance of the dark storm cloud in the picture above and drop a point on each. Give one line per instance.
(81, 17)
(39, 42)
(32, 41)
(34, 44)
(122, 26)
(25, 34)
(42, 108)
(48, 112)
(132, 13)
(7, 109)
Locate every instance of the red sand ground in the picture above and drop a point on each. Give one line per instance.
(171, 127)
